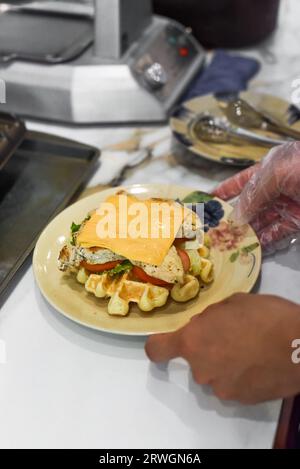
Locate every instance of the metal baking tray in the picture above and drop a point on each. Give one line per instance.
(43, 36)
(36, 183)
(12, 132)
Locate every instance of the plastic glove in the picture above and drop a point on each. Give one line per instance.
(269, 196)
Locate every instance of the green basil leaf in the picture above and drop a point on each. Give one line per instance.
(120, 268)
(197, 197)
(75, 228)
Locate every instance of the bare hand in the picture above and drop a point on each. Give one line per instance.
(241, 347)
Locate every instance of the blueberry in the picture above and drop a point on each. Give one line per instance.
(219, 213)
(208, 216)
(214, 224)
(213, 205)
(208, 210)
(213, 212)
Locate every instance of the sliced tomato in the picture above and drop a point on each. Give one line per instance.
(100, 267)
(141, 275)
(186, 263)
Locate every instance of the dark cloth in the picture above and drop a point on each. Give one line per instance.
(226, 74)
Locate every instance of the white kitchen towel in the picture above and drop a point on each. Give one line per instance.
(115, 160)
(113, 163)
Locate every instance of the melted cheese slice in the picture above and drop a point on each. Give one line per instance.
(140, 230)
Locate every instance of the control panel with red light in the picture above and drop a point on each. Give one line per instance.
(163, 64)
(184, 51)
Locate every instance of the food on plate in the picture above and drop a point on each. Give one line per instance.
(142, 251)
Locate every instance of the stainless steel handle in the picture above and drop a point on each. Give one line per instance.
(118, 23)
(255, 137)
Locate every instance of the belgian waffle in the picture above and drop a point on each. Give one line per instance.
(122, 291)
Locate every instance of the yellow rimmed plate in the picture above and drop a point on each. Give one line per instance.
(236, 270)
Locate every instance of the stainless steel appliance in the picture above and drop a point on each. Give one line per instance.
(115, 62)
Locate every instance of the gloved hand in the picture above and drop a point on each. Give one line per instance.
(269, 196)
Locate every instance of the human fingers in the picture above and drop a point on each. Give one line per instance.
(279, 174)
(273, 234)
(273, 214)
(234, 185)
(264, 219)
(163, 347)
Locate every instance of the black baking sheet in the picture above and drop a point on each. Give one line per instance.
(12, 132)
(37, 182)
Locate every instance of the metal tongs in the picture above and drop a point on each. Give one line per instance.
(208, 128)
(240, 113)
(12, 133)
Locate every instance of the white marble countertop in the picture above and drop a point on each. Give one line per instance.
(62, 385)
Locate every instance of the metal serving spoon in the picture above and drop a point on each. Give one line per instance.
(242, 114)
(215, 130)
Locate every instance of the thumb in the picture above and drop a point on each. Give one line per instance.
(234, 185)
(163, 347)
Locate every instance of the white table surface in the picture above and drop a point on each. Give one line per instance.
(62, 385)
